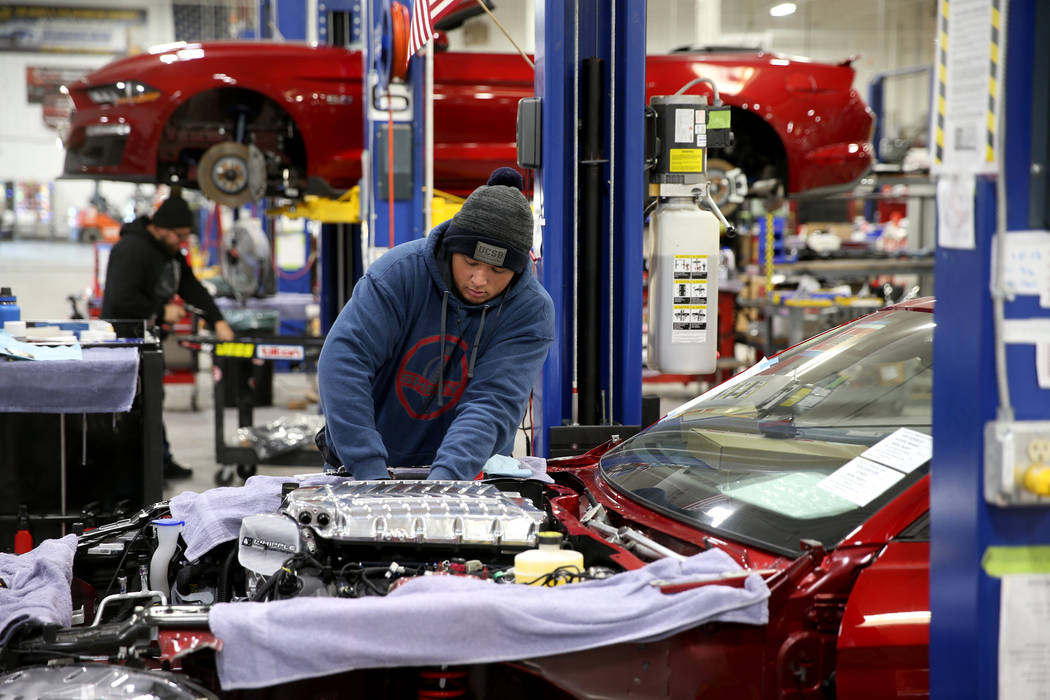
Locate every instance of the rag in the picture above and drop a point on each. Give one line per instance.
(502, 465)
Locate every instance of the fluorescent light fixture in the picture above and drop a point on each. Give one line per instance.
(783, 9)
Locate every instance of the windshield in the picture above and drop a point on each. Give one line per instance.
(807, 444)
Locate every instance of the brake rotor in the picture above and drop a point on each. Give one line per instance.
(728, 184)
(232, 174)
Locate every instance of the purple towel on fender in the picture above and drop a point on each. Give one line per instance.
(214, 517)
(36, 586)
(434, 620)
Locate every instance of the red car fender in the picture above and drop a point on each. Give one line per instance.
(808, 111)
(883, 652)
(321, 93)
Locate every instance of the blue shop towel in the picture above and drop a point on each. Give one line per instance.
(502, 465)
(436, 620)
(36, 586)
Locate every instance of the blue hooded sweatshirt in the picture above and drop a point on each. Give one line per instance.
(387, 397)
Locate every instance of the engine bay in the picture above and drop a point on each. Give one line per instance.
(145, 600)
(365, 537)
(345, 539)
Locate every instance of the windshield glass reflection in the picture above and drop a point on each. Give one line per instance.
(749, 459)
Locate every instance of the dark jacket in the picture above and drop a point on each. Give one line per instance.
(411, 375)
(142, 277)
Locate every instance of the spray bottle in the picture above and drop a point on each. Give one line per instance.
(9, 310)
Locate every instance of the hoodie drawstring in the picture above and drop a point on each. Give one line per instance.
(477, 341)
(441, 370)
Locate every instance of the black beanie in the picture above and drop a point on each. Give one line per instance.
(173, 212)
(494, 226)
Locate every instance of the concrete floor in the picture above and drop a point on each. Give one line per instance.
(43, 273)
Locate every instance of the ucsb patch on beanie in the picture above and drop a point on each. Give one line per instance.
(494, 226)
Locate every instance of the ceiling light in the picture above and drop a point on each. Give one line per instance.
(783, 9)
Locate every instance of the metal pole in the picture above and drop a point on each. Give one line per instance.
(608, 414)
(576, 204)
(589, 264)
(62, 466)
(428, 139)
(311, 21)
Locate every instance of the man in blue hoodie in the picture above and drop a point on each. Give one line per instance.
(432, 360)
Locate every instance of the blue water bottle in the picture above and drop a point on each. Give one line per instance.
(9, 310)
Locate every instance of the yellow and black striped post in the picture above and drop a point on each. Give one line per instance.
(995, 57)
(942, 84)
(993, 81)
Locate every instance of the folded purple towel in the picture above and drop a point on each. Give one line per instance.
(36, 586)
(434, 620)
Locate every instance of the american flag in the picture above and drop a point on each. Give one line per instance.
(424, 14)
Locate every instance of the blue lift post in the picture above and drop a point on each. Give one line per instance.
(567, 32)
(341, 245)
(964, 601)
(408, 212)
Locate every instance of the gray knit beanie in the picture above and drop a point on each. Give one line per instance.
(494, 226)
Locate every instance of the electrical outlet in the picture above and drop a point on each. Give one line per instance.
(1017, 463)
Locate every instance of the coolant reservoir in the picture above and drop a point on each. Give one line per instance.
(168, 530)
(533, 565)
(683, 289)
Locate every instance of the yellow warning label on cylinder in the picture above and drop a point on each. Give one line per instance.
(686, 160)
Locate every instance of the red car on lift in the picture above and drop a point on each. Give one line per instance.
(208, 114)
(811, 469)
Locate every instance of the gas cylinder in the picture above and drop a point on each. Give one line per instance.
(683, 288)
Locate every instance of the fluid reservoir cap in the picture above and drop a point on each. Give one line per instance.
(551, 538)
(168, 522)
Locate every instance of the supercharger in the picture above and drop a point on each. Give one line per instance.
(382, 530)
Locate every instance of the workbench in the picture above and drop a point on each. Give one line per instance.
(80, 439)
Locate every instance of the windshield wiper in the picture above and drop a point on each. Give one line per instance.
(779, 429)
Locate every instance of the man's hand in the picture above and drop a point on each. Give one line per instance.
(173, 313)
(223, 331)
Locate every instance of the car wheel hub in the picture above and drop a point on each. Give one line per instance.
(232, 174)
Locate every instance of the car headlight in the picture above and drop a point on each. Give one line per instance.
(122, 92)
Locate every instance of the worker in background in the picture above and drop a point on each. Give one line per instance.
(432, 360)
(146, 269)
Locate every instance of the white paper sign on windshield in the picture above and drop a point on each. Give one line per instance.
(860, 481)
(904, 449)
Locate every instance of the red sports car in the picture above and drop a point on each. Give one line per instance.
(805, 478)
(218, 115)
